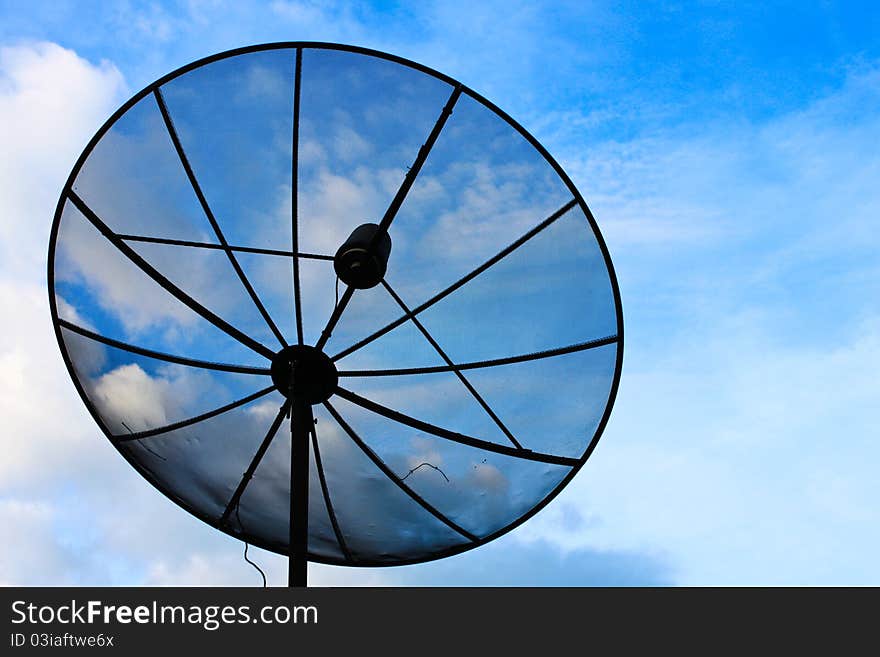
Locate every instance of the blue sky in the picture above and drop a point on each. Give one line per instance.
(728, 154)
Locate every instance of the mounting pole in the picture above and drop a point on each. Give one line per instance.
(300, 429)
(306, 376)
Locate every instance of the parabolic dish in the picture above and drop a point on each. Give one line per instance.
(194, 240)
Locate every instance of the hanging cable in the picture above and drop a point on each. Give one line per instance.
(246, 546)
(430, 465)
(143, 444)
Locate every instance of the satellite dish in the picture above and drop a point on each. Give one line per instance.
(335, 304)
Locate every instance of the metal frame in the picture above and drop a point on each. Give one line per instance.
(393, 208)
(184, 160)
(510, 248)
(388, 472)
(494, 362)
(208, 245)
(461, 377)
(120, 241)
(440, 432)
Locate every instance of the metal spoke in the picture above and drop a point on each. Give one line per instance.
(334, 317)
(294, 200)
(388, 472)
(178, 146)
(395, 205)
(421, 156)
(495, 362)
(440, 432)
(158, 355)
(220, 247)
(467, 384)
(315, 256)
(457, 284)
(139, 435)
(326, 492)
(255, 462)
(166, 284)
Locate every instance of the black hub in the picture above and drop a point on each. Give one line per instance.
(304, 372)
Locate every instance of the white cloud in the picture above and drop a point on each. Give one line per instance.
(265, 411)
(51, 102)
(85, 257)
(487, 206)
(33, 527)
(335, 204)
(45, 426)
(130, 393)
